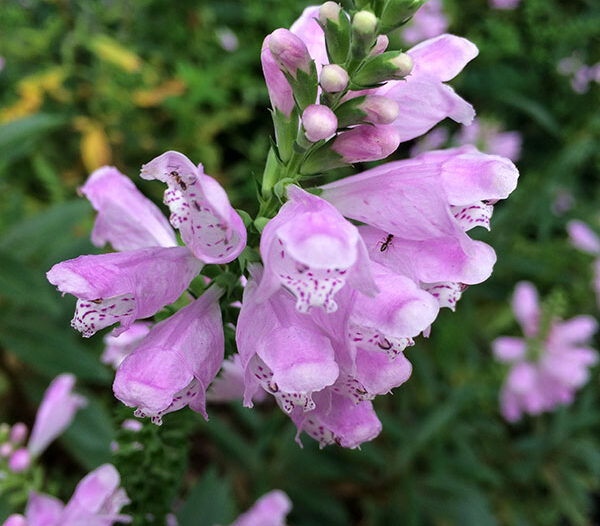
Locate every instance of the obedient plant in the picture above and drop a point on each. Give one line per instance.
(334, 278)
(550, 364)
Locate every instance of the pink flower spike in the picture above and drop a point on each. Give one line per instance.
(55, 414)
(124, 286)
(313, 251)
(117, 348)
(174, 364)
(583, 237)
(270, 510)
(525, 305)
(200, 208)
(509, 349)
(19, 461)
(126, 219)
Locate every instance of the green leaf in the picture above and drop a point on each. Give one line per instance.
(209, 502)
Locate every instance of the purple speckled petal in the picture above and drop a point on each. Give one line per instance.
(200, 208)
(313, 251)
(124, 286)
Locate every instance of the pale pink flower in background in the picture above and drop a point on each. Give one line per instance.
(55, 414)
(545, 369)
(97, 501)
(270, 510)
(504, 4)
(489, 138)
(228, 39)
(428, 22)
(585, 239)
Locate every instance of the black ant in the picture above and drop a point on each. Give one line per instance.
(388, 241)
(179, 180)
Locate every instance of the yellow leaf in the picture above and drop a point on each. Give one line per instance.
(109, 50)
(154, 96)
(95, 148)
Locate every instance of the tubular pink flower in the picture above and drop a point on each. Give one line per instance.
(426, 204)
(366, 143)
(270, 510)
(55, 414)
(124, 286)
(310, 249)
(126, 219)
(174, 364)
(15, 519)
(117, 348)
(387, 322)
(280, 91)
(200, 208)
(281, 350)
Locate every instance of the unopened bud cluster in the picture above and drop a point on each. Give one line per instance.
(318, 97)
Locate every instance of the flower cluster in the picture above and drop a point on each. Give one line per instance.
(549, 364)
(346, 275)
(581, 74)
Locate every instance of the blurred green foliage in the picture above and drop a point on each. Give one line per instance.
(119, 82)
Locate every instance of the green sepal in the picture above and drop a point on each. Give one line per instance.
(260, 223)
(349, 112)
(337, 38)
(322, 159)
(397, 12)
(286, 129)
(377, 69)
(304, 87)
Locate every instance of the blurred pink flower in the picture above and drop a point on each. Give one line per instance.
(545, 369)
(270, 510)
(428, 22)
